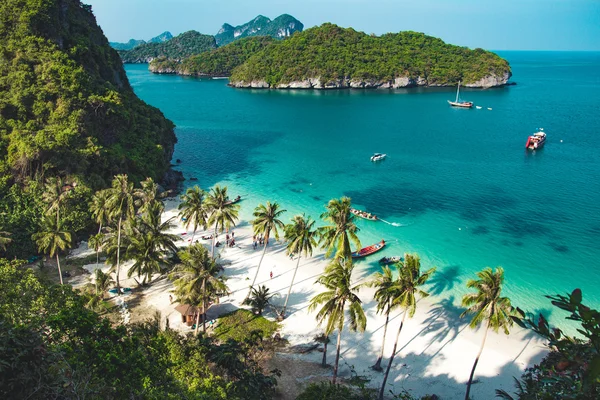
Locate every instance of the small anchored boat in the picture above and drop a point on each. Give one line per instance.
(390, 260)
(458, 102)
(367, 251)
(236, 200)
(378, 156)
(364, 214)
(536, 141)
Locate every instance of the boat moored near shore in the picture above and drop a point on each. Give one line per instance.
(364, 214)
(390, 260)
(367, 251)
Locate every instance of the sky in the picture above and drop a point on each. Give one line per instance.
(489, 24)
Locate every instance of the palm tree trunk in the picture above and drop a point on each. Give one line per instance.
(204, 305)
(475, 364)
(290, 289)
(377, 366)
(119, 255)
(324, 361)
(192, 240)
(212, 253)
(387, 371)
(98, 252)
(59, 271)
(257, 269)
(197, 323)
(337, 355)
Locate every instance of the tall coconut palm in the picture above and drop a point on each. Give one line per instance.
(148, 194)
(121, 207)
(266, 221)
(52, 239)
(410, 279)
(301, 238)
(54, 195)
(488, 307)
(336, 236)
(4, 239)
(95, 242)
(387, 290)
(193, 209)
(340, 296)
(197, 279)
(223, 213)
(100, 209)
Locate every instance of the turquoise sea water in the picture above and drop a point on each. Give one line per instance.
(459, 181)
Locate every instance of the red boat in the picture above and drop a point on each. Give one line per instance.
(367, 251)
(536, 141)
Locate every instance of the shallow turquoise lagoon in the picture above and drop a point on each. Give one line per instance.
(460, 182)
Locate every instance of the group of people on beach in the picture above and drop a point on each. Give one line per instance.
(258, 240)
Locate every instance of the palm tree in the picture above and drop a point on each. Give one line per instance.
(54, 195)
(121, 207)
(323, 338)
(103, 283)
(301, 238)
(222, 212)
(4, 239)
(148, 194)
(193, 209)
(341, 229)
(404, 296)
(51, 239)
(259, 300)
(266, 220)
(95, 242)
(99, 208)
(486, 305)
(149, 242)
(386, 291)
(340, 295)
(197, 279)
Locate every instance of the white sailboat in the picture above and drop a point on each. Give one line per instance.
(458, 102)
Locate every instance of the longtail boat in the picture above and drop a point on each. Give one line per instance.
(390, 260)
(364, 214)
(374, 248)
(236, 200)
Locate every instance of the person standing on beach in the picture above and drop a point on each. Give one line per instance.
(271, 274)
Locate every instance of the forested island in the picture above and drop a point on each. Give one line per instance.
(163, 37)
(181, 46)
(328, 57)
(215, 63)
(281, 27)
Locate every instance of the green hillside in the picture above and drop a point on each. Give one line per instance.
(281, 27)
(218, 62)
(178, 48)
(331, 56)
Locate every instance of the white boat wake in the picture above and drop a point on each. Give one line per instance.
(391, 223)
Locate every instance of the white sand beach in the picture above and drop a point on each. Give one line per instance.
(436, 347)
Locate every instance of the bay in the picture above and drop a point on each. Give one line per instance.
(459, 182)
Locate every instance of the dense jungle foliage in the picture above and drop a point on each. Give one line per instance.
(178, 48)
(60, 349)
(219, 62)
(67, 109)
(334, 53)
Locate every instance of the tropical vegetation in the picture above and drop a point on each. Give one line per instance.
(187, 44)
(333, 55)
(341, 229)
(259, 299)
(279, 28)
(222, 212)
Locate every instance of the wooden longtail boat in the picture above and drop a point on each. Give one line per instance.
(364, 214)
(390, 260)
(374, 248)
(236, 200)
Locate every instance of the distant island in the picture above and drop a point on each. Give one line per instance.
(281, 27)
(330, 57)
(132, 43)
(219, 62)
(178, 48)
(168, 50)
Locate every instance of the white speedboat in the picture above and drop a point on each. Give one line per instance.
(378, 156)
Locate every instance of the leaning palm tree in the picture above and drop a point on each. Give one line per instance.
(193, 209)
(52, 239)
(197, 279)
(259, 300)
(387, 290)
(222, 212)
(4, 239)
(487, 306)
(266, 221)
(301, 238)
(404, 296)
(340, 295)
(336, 236)
(121, 207)
(54, 195)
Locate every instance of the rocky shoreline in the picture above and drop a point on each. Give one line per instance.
(349, 83)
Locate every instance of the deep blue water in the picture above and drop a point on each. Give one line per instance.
(460, 181)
